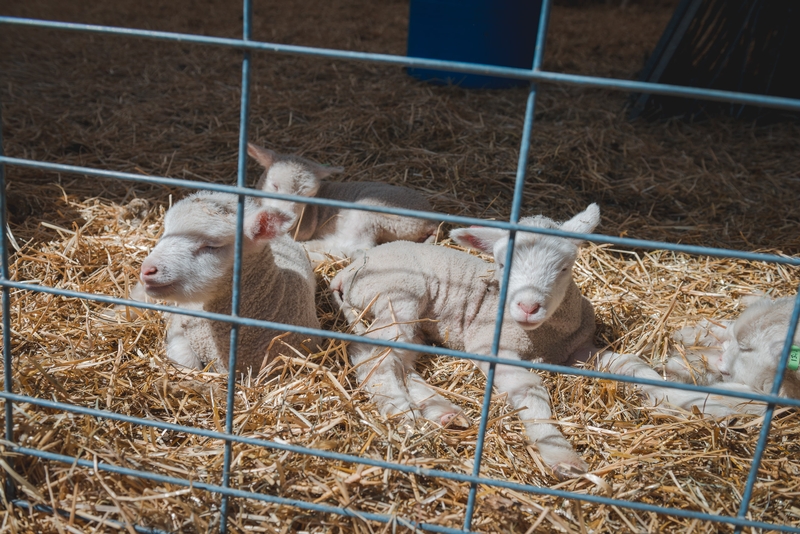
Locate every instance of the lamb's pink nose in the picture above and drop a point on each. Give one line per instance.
(529, 309)
(149, 270)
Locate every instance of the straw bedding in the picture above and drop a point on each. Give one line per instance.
(172, 109)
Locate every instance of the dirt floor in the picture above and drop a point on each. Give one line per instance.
(172, 109)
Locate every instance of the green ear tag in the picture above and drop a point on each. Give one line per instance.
(794, 358)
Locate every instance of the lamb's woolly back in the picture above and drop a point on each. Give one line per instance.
(192, 264)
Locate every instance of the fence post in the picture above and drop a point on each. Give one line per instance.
(761, 445)
(516, 207)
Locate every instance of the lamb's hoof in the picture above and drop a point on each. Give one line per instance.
(564, 471)
(455, 420)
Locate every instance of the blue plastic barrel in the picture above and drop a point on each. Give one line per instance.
(493, 32)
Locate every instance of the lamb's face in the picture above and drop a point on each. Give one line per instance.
(540, 274)
(748, 362)
(541, 268)
(289, 178)
(194, 254)
(193, 260)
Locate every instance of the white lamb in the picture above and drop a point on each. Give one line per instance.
(425, 293)
(192, 265)
(750, 349)
(333, 231)
(740, 355)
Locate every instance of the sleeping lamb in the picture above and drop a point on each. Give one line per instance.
(425, 293)
(750, 349)
(192, 265)
(333, 231)
(740, 355)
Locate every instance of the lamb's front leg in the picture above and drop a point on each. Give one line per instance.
(713, 405)
(179, 348)
(433, 405)
(527, 393)
(389, 374)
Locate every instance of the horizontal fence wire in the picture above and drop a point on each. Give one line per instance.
(534, 75)
(405, 61)
(427, 349)
(430, 215)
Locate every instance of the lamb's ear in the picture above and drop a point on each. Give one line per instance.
(585, 222)
(308, 185)
(478, 237)
(323, 171)
(267, 223)
(264, 156)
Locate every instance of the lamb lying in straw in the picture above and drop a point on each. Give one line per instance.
(741, 355)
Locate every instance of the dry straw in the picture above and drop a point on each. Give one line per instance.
(172, 109)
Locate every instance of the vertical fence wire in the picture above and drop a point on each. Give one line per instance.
(525, 143)
(241, 181)
(516, 208)
(8, 384)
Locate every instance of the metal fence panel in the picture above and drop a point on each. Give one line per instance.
(535, 75)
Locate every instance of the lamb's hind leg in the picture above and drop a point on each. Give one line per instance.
(714, 405)
(381, 372)
(354, 234)
(527, 393)
(390, 375)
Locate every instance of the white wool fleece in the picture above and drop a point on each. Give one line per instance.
(326, 230)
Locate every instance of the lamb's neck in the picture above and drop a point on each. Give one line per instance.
(257, 278)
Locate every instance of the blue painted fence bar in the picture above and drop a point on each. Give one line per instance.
(404, 61)
(534, 75)
(455, 219)
(241, 181)
(764, 434)
(25, 505)
(6, 306)
(384, 518)
(244, 321)
(354, 459)
(516, 207)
